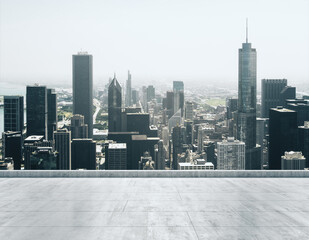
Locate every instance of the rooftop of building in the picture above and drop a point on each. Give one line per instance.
(117, 146)
(126, 207)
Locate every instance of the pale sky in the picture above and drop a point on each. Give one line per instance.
(158, 40)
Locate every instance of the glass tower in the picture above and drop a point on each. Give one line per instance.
(83, 88)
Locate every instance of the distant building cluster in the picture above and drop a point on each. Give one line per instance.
(147, 128)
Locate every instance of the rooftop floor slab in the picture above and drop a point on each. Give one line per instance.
(156, 173)
(154, 208)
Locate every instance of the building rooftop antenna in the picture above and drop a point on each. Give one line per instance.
(246, 30)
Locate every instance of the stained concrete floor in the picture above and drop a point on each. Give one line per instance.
(154, 208)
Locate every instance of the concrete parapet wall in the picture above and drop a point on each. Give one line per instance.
(154, 174)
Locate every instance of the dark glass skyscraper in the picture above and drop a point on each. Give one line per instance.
(83, 88)
(114, 106)
(37, 111)
(282, 134)
(13, 113)
(271, 89)
(246, 114)
(52, 113)
(128, 91)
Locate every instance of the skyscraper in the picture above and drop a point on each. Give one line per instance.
(178, 86)
(52, 117)
(114, 106)
(116, 156)
(12, 147)
(62, 139)
(83, 89)
(303, 141)
(177, 144)
(83, 154)
(282, 134)
(246, 112)
(151, 93)
(231, 154)
(13, 113)
(189, 110)
(78, 128)
(37, 111)
(128, 91)
(271, 89)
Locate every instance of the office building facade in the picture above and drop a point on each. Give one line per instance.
(13, 113)
(271, 89)
(37, 111)
(83, 88)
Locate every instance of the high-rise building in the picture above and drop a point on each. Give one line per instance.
(160, 156)
(170, 104)
(282, 135)
(52, 116)
(209, 148)
(303, 141)
(116, 156)
(177, 145)
(37, 111)
(83, 154)
(44, 158)
(62, 138)
(178, 86)
(31, 144)
(13, 113)
(189, 110)
(135, 96)
(78, 128)
(271, 89)
(246, 112)
(287, 93)
(128, 91)
(83, 88)
(114, 106)
(175, 120)
(300, 106)
(150, 93)
(231, 154)
(231, 106)
(12, 147)
(293, 161)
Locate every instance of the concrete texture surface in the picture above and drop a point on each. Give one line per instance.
(154, 208)
(155, 173)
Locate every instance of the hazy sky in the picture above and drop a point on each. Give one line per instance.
(158, 40)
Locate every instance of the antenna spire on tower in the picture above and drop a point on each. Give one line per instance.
(246, 30)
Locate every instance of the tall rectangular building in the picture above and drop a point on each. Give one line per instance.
(117, 156)
(231, 155)
(303, 141)
(13, 113)
(271, 89)
(78, 128)
(12, 147)
(52, 116)
(282, 135)
(246, 111)
(128, 91)
(83, 88)
(114, 106)
(62, 138)
(37, 111)
(83, 154)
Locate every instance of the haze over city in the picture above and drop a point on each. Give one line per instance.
(159, 41)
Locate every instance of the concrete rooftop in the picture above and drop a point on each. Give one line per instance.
(154, 208)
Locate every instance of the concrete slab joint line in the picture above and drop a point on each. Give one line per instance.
(154, 174)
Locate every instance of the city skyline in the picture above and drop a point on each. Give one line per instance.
(172, 47)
